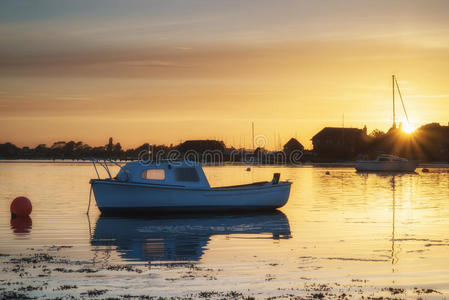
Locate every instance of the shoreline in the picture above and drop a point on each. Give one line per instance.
(45, 273)
(349, 164)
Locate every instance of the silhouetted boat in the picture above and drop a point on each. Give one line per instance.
(386, 163)
(181, 186)
(181, 237)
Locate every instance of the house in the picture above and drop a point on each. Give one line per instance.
(293, 144)
(201, 146)
(293, 150)
(337, 143)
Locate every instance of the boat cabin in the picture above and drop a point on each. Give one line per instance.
(390, 158)
(177, 173)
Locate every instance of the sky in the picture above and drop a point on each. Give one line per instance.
(168, 71)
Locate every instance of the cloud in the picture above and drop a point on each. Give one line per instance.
(211, 61)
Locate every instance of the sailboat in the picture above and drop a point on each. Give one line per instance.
(385, 162)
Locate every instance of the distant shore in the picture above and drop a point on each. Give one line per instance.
(348, 164)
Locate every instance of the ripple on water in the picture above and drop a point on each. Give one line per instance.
(380, 229)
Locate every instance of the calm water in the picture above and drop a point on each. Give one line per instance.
(345, 227)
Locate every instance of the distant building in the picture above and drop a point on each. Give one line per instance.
(293, 144)
(293, 150)
(201, 145)
(335, 143)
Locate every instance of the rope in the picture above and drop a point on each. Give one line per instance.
(400, 96)
(98, 175)
(90, 227)
(90, 197)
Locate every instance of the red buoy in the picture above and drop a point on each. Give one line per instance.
(21, 207)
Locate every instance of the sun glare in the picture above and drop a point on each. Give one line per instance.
(408, 128)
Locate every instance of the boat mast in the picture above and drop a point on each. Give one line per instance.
(402, 101)
(253, 134)
(394, 112)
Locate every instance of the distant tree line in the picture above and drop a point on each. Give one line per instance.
(200, 150)
(428, 143)
(72, 150)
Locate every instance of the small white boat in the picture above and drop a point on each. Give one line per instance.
(386, 163)
(181, 186)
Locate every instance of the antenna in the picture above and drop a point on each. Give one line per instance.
(253, 134)
(394, 112)
(274, 141)
(279, 141)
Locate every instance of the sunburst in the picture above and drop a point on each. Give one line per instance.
(408, 128)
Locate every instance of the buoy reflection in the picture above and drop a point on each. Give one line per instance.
(21, 225)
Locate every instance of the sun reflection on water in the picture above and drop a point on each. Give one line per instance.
(381, 228)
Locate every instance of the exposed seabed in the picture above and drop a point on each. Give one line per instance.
(44, 273)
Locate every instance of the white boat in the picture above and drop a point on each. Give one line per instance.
(181, 186)
(386, 163)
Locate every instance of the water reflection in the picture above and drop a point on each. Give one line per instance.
(21, 226)
(181, 237)
(392, 176)
(394, 258)
(346, 215)
(385, 174)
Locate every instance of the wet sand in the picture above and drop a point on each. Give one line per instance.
(45, 273)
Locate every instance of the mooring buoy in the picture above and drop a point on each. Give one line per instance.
(21, 207)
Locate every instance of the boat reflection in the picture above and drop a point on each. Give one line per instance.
(181, 238)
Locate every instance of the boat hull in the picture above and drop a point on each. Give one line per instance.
(122, 197)
(366, 166)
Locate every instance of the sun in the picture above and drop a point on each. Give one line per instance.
(408, 128)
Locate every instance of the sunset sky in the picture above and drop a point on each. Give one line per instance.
(165, 71)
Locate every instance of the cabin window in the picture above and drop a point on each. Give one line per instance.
(154, 174)
(383, 159)
(186, 174)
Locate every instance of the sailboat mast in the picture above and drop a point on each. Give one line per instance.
(402, 101)
(394, 112)
(253, 133)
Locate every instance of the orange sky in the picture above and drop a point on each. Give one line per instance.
(163, 72)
